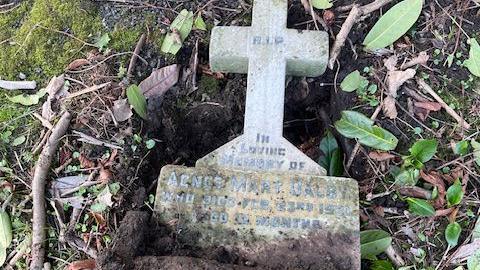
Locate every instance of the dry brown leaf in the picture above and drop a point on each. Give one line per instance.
(436, 180)
(391, 63)
(55, 91)
(82, 265)
(395, 79)
(121, 110)
(160, 81)
(421, 59)
(105, 175)
(389, 107)
(85, 163)
(430, 106)
(78, 63)
(380, 156)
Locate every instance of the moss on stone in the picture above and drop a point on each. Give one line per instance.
(41, 53)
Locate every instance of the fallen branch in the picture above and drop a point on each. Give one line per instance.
(38, 191)
(354, 17)
(18, 85)
(447, 108)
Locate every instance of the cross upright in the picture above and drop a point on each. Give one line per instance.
(267, 51)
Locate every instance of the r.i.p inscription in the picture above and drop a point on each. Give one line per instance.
(259, 196)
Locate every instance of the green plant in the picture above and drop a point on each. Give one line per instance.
(137, 100)
(374, 242)
(420, 152)
(393, 24)
(452, 233)
(420, 207)
(365, 91)
(355, 125)
(332, 158)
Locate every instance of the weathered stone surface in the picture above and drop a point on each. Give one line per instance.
(261, 213)
(302, 53)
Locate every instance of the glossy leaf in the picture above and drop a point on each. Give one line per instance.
(5, 230)
(352, 82)
(332, 156)
(424, 150)
(473, 62)
(355, 125)
(374, 242)
(137, 100)
(454, 194)
(393, 24)
(452, 233)
(180, 29)
(461, 148)
(420, 207)
(322, 4)
(407, 177)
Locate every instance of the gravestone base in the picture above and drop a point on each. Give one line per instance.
(275, 220)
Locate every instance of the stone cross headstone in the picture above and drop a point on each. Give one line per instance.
(258, 195)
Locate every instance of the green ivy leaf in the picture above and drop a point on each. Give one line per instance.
(452, 233)
(461, 148)
(19, 140)
(150, 144)
(200, 23)
(137, 100)
(407, 177)
(420, 207)
(352, 82)
(332, 157)
(98, 207)
(424, 150)
(102, 42)
(454, 194)
(393, 24)
(473, 62)
(180, 29)
(374, 242)
(5, 230)
(355, 125)
(321, 4)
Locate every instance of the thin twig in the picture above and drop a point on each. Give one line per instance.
(447, 108)
(136, 52)
(38, 191)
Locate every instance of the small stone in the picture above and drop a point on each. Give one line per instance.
(22, 76)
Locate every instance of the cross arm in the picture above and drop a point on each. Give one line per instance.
(302, 60)
(229, 49)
